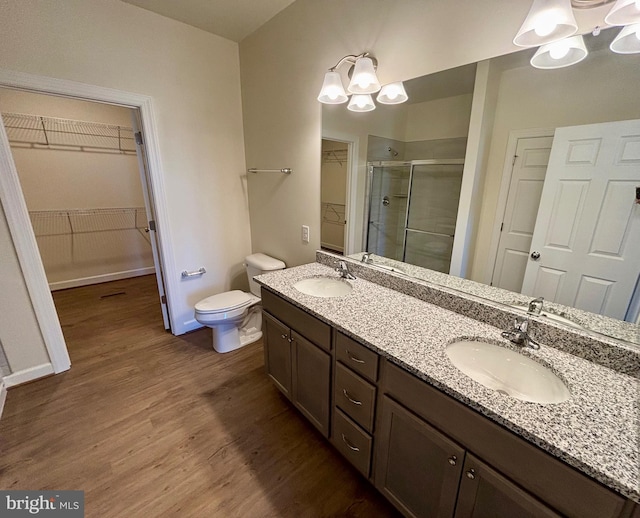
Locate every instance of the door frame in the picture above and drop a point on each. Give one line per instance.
(351, 196)
(501, 207)
(17, 214)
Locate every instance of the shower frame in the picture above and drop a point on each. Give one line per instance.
(398, 163)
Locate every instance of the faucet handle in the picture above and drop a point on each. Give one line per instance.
(521, 324)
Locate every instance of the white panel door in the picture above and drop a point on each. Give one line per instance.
(525, 189)
(588, 227)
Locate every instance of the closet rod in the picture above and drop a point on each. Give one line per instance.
(285, 170)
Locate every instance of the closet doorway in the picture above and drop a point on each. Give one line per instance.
(83, 174)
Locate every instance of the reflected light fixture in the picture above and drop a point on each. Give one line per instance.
(363, 83)
(558, 54)
(393, 93)
(627, 41)
(624, 12)
(547, 21)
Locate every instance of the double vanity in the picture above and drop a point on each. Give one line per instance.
(377, 364)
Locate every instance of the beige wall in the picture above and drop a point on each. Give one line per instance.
(600, 89)
(56, 179)
(193, 78)
(439, 119)
(282, 68)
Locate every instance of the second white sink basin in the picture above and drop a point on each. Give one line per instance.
(323, 286)
(507, 371)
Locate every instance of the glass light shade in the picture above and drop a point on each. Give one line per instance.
(393, 93)
(624, 12)
(627, 41)
(361, 103)
(364, 79)
(332, 91)
(547, 21)
(560, 54)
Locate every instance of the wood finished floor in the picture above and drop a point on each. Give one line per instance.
(149, 424)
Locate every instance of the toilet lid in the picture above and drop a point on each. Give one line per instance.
(223, 302)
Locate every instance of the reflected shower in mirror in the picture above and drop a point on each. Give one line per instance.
(522, 116)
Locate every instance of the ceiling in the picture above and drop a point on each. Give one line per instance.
(231, 19)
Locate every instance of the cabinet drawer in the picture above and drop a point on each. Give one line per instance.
(539, 473)
(357, 357)
(308, 326)
(352, 442)
(355, 396)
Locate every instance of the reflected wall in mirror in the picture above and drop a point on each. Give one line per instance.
(525, 108)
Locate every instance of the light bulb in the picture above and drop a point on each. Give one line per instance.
(559, 50)
(545, 25)
(361, 101)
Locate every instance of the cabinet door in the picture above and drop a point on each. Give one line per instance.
(311, 382)
(417, 467)
(277, 353)
(484, 493)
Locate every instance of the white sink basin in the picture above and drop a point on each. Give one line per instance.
(323, 287)
(507, 371)
(550, 316)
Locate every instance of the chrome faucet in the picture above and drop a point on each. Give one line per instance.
(535, 306)
(344, 272)
(366, 258)
(519, 334)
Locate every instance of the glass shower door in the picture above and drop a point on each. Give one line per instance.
(388, 195)
(433, 210)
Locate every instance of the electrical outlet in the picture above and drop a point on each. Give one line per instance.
(305, 233)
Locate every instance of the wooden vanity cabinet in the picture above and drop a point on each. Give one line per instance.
(297, 358)
(521, 479)
(428, 453)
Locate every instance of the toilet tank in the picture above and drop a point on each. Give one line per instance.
(260, 263)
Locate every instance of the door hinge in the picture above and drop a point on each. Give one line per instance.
(514, 160)
(138, 138)
(501, 226)
(163, 299)
(152, 225)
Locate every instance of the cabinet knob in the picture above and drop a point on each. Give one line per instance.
(285, 337)
(452, 460)
(471, 474)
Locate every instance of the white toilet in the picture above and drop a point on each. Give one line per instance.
(234, 316)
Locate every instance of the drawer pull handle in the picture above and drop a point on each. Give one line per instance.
(353, 358)
(354, 401)
(348, 443)
(452, 460)
(471, 474)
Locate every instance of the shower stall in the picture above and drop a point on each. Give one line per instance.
(413, 208)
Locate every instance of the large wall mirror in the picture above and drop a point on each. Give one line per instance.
(391, 183)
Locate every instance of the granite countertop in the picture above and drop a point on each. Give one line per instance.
(596, 430)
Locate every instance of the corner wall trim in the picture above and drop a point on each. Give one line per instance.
(30, 374)
(3, 395)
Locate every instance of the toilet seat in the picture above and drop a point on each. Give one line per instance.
(227, 305)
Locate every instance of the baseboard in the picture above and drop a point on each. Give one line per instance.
(97, 279)
(333, 247)
(3, 396)
(26, 375)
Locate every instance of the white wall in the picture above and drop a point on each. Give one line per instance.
(19, 330)
(600, 89)
(194, 81)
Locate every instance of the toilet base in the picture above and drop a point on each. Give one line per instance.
(227, 338)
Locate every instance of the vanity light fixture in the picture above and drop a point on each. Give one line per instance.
(551, 24)
(624, 12)
(363, 83)
(393, 93)
(361, 103)
(558, 54)
(627, 41)
(547, 21)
